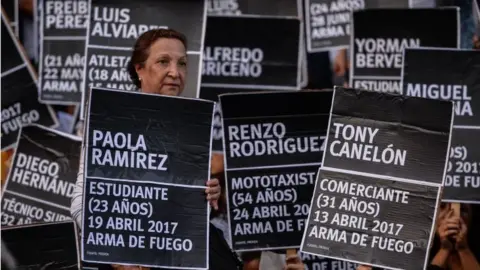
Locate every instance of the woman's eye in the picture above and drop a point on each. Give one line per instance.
(163, 61)
(182, 63)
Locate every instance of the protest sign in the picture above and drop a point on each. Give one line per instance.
(20, 104)
(265, 8)
(312, 262)
(380, 36)
(246, 53)
(11, 11)
(63, 28)
(113, 30)
(146, 165)
(328, 21)
(40, 246)
(373, 202)
(272, 154)
(42, 178)
(451, 74)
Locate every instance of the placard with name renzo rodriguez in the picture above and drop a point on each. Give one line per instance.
(272, 154)
(147, 163)
(385, 134)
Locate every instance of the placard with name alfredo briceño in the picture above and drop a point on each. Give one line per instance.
(42, 177)
(452, 74)
(146, 165)
(376, 194)
(273, 149)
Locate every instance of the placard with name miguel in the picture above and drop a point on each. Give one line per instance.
(272, 156)
(452, 74)
(20, 104)
(373, 203)
(42, 178)
(63, 31)
(381, 35)
(146, 168)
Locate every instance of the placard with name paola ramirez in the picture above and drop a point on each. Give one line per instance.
(147, 162)
(452, 74)
(376, 194)
(20, 104)
(41, 180)
(273, 149)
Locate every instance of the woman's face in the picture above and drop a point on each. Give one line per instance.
(165, 69)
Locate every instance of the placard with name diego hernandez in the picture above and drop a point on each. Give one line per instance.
(114, 27)
(276, 8)
(63, 28)
(20, 104)
(40, 246)
(373, 202)
(147, 163)
(272, 154)
(244, 52)
(380, 36)
(328, 21)
(42, 178)
(452, 74)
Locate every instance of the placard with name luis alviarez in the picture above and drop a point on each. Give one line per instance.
(452, 74)
(376, 194)
(146, 165)
(272, 154)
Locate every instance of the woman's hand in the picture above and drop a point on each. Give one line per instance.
(213, 191)
(461, 236)
(294, 263)
(448, 226)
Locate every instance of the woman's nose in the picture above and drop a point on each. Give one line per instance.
(172, 71)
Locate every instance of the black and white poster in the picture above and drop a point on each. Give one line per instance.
(42, 178)
(20, 104)
(147, 163)
(272, 155)
(63, 28)
(328, 21)
(11, 10)
(312, 262)
(251, 8)
(380, 36)
(40, 246)
(114, 27)
(373, 202)
(252, 53)
(452, 74)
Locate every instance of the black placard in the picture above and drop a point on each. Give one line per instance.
(42, 178)
(41, 246)
(63, 28)
(380, 35)
(272, 154)
(11, 10)
(371, 220)
(312, 262)
(451, 74)
(113, 40)
(278, 8)
(150, 153)
(387, 134)
(20, 104)
(328, 21)
(375, 206)
(253, 53)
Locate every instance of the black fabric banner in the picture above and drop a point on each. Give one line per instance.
(42, 178)
(376, 194)
(63, 29)
(40, 246)
(20, 104)
(272, 154)
(253, 53)
(147, 163)
(385, 134)
(450, 74)
(328, 21)
(278, 8)
(114, 28)
(380, 35)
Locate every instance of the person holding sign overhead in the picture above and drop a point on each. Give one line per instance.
(158, 65)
